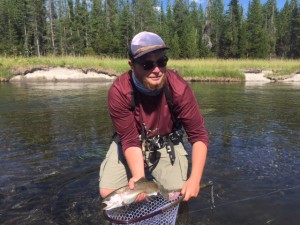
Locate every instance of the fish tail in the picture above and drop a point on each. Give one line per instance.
(165, 193)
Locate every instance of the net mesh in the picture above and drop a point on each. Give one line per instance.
(138, 212)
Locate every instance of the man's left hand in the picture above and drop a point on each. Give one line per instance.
(190, 189)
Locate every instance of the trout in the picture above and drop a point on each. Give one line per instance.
(125, 196)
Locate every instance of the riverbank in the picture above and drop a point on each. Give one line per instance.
(89, 69)
(62, 74)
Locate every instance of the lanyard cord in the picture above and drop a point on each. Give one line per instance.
(134, 99)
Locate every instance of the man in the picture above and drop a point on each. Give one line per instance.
(148, 105)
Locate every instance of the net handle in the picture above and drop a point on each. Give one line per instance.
(134, 220)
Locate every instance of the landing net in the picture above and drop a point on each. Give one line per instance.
(155, 210)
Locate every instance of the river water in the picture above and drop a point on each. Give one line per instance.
(54, 136)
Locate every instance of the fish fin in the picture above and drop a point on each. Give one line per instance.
(139, 198)
(165, 194)
(162, 190)
(147, 198)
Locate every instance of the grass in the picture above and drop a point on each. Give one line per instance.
(234, 68)
(193, 69)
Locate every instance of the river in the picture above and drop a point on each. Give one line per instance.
(53, 137)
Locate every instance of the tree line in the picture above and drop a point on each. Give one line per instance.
(105, 27)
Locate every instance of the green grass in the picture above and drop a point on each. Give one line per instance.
(198, 69)
(233, 68)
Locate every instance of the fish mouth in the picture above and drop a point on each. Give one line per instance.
(108, 207)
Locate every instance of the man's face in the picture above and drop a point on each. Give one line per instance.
(150, 69)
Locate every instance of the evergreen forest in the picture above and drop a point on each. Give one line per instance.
(105, 28)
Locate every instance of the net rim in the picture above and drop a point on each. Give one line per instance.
(144, 217)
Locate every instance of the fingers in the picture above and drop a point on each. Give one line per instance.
(131, 184)
(189, 191)
(132, 181)
(141, 197)
(188, 196)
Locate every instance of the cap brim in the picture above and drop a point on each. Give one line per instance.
(150, 50)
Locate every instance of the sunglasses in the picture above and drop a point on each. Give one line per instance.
(150, 65)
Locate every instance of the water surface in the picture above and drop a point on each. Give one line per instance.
(54, 136)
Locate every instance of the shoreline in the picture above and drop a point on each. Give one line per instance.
(65, 74)
(62, 74)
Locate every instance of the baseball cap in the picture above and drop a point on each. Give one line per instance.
(145, 42)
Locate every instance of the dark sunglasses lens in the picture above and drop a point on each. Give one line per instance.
(148, 65)
(160, 63)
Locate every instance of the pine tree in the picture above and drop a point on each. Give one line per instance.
(256, 34)
(105, 27)
(37, 26)
(52, 31)
(270, 12)
(85, 19)
(226, 41)
(112, 39)
(236, 20)
(78, 29)
(172, 39)
(295, 30)
(231, 32)
(68, 28)
(202, 50)
(243, 40)
(283, 31)
(8, 37)
(96, 27)
(215, 23)
(63, 25)
(145, 15)
(196, 30)
(182, 28)
(162, 21)
(126, 29)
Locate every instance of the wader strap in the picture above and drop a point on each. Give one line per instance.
(116, 138)
(171, 151)
(176, 122)
(133, 93)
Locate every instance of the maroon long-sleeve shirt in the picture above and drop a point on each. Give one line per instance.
(153, 112)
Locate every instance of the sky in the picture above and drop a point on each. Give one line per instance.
(243, 3)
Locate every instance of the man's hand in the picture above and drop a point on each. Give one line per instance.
(131, 185)
(190, 189)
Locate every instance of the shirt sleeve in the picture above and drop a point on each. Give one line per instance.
(191, 117)
(123, 118)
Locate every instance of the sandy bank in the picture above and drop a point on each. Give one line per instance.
(266, 76)
(255, 77)
(63, 74)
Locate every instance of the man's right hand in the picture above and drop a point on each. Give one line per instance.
(131, 185)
